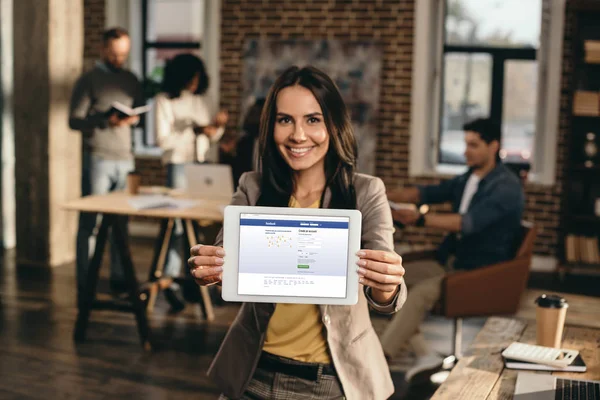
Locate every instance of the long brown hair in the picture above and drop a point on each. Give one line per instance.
(277, 184)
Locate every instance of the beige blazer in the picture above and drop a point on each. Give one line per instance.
(354, 346)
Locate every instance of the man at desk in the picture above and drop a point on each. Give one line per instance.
(487, 203)
(106, 155)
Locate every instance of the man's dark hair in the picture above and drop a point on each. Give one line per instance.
(113, 33)
(487, 129)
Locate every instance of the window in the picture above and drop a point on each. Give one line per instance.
(489, 62)
(485, 59)
(169, 27)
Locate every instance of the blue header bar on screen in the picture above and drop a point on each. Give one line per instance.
(293, 224)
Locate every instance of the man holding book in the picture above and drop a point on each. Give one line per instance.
(96, 110)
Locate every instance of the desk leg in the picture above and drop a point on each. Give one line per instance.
(158, 245)
(138, 305)
(160, 257)
(207, 308)
(92, 279)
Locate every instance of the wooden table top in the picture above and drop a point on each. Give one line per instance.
(480, 374)
(584, 311)
(117, 203)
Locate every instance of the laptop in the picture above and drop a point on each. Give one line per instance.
(209, 181)
(532, 386)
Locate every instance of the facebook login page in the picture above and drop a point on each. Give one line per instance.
(291, 255)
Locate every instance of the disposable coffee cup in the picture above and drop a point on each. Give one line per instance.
(133, 183)
(550, 315)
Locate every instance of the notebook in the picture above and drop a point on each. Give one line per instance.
(578, 365)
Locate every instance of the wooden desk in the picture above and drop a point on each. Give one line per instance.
(111, 205)
(480, 374)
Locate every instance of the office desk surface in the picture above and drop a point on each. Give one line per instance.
(584, 311)
(480, 374)
(116, 203)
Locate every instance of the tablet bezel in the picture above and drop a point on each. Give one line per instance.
(231, 237)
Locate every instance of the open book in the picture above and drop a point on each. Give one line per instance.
(125, 111)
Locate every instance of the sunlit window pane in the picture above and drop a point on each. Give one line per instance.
(466, 96)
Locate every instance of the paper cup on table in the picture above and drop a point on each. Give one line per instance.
(133, 183)
(550, 315)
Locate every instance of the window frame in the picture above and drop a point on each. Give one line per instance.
(426, 96)
(499, 56)
(152, 45)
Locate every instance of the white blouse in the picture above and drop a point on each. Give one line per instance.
(175, 120)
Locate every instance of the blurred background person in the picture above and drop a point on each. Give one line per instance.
(107, 154)
(187, 133)
(483, 228)
(242, 153)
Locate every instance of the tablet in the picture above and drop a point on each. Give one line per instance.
(291, 255)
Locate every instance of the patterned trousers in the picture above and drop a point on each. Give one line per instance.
(271, 385)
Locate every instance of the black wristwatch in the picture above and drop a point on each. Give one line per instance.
(423, 210)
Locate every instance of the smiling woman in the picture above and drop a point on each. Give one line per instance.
(308, 159)
(302, 139)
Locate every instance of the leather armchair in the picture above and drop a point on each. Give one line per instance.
(468, 293)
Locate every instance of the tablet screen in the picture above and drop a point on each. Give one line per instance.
(292, 255)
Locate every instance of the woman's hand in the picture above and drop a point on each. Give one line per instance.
(222, 118)
(382, 271)
(206, 264)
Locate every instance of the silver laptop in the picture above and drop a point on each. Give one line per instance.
(209, 181)
(547, 387)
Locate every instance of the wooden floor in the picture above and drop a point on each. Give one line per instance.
(39, 360)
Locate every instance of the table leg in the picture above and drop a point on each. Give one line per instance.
(206, 304)
(158, 245)
(161, 251)
(93, 271)
(138, 306)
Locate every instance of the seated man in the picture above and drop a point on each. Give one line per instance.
(487, 204)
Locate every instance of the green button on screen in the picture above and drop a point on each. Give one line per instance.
(303, 266)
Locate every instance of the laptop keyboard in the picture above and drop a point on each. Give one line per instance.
(567, 389)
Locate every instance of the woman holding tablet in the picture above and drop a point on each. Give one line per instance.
(308, 158)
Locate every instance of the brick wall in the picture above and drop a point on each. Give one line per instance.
(152, 170)
(93, 21)
(390, 22)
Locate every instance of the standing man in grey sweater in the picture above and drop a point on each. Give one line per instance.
(107, 149)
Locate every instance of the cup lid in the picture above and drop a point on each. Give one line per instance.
(551, 301)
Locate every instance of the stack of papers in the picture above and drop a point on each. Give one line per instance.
(145, 202)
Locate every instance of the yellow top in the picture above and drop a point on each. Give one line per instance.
(295, 330)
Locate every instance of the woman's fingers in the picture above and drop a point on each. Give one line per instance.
(377, 285)
(206, 264)
(203, 250)
(386, 279)
(386, 257)
(381, 268)
(194, 262)
(203, 272)
(205, 255)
